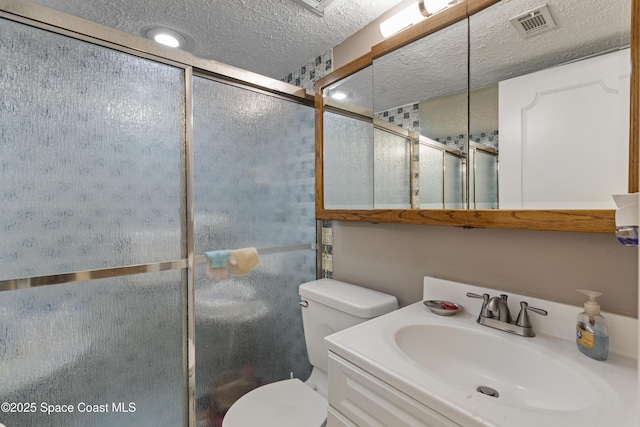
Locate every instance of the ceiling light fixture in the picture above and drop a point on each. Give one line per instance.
(412, 15)
(431, 7)
(339, 96)
(166, 37)
(401, 20)
(167, 40)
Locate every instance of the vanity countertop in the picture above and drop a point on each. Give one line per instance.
(542, 381)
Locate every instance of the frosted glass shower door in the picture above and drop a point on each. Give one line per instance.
(486, 180)
(254, 187)
(392, 170)
(91, 182)
(348, 162)
(94, 354)
(431, 186)
(90, 156)
(454, 191)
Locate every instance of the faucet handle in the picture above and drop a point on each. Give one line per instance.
(523, 317)
(483, 296)
(484, 312)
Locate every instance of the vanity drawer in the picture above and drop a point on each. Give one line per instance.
(336, 419)
(368, 402)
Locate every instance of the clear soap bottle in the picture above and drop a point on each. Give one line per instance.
(592, 334)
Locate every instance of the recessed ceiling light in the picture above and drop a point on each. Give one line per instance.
(339, 95)
(167, 40)
(166, 37)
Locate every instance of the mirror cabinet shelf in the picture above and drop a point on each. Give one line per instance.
(487, 114)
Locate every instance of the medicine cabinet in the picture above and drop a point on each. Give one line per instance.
(466, 119)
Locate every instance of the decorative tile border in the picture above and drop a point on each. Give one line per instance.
(306, 75)
(327, 249)
(490, 139)
(415, 174)
(459, 142)
(407, 116)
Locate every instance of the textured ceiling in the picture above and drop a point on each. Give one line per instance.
(269, 37)
(437, 65)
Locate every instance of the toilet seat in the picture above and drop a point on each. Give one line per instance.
(288, 403)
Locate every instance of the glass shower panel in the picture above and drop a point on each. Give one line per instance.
(486, 180)
(431, 188)
(472, 177)
(249, 331)
(391, 170)
(254, 187)
(454, 192)
(90, 155)
(111, 350)
(348, 162)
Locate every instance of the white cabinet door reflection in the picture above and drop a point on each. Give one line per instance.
(561, 123)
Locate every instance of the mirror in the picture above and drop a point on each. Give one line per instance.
(549, 103)
(370, 154)
(569, 190)
(422, 88)
(348, 135)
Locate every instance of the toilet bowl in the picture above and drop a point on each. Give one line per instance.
(288, 403)
(328, 306)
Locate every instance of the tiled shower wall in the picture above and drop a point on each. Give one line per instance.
(305, 77)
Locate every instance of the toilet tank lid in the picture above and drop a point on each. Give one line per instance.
(351, 299)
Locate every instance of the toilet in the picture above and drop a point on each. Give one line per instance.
(328, 306)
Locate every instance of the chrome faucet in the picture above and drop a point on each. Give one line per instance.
(499, 306)
(495, 314)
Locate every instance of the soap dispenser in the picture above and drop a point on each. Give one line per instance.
(592, 334)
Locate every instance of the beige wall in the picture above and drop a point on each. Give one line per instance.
(551, 265)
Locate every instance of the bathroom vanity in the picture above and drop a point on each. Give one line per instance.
(415, 368)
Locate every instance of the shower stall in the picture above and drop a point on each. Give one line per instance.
(121, 162)
(442, 171)
(372, 156)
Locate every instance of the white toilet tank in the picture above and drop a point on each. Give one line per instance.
(332, 306)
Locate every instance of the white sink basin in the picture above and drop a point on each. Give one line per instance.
(471, 358)
(441, 361)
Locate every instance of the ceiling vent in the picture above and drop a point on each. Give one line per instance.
(319, 7)
(533, 22)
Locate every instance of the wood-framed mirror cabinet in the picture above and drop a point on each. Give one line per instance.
(577, 220)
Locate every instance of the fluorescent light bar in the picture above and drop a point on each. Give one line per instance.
(412, 15)
(401, 20)
(430, 7)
